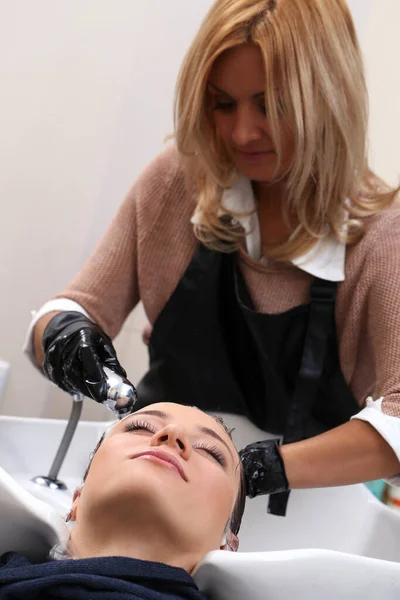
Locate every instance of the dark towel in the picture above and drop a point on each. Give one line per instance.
(106, 578)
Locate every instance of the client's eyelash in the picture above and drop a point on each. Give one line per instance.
(212, 450)
(136, 425)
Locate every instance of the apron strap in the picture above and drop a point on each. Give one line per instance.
(321, 322)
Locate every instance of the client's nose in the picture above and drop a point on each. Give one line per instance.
(174, 436)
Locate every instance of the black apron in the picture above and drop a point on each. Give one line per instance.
(210, 349)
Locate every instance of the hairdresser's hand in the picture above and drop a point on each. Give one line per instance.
(76, 353)
(264, 469)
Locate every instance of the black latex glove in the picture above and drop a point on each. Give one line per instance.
(76, 350)
(264, 468)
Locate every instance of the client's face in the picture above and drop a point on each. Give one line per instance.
(169, 467)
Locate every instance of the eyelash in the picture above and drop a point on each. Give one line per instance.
(224, 107)
(212, 450)
(227, 107)
(135, 425)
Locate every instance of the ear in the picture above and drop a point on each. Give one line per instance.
(230, 542)
(75, 501)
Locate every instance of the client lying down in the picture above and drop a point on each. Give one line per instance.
(164, 487)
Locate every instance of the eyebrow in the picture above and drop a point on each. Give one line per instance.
(206, 430)
(217, 89)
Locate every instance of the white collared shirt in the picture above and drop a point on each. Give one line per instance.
(325, 260)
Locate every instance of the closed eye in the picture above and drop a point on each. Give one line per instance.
(212, 451)
(224, 106)
(146, 426)
(139, 425)
(229, 107)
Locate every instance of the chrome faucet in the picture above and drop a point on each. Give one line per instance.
(121, 398)
(51, 480)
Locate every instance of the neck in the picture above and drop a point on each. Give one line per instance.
(265, 192)
(112, 540)
(274, 228)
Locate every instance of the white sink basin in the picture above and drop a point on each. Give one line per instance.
(28, 447)
(347, 519)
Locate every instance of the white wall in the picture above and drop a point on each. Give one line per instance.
(86, 100)
(382, 52)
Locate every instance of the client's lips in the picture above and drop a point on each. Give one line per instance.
(164, 456)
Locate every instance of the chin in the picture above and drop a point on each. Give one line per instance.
(259, 175)
(262, 171)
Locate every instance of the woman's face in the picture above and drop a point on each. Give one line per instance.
(190, 499)
(236, 89)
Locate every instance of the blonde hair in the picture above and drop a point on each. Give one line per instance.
(310, 51)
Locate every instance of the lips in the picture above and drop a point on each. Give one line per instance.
(255, 153)
(165, 457)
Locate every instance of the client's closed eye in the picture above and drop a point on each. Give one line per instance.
(140, 425)
(211, 450)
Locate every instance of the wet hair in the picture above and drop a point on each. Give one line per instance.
(236, 516)
(238, 509)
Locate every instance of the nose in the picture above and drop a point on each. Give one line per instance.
(174, 436)
(246, 127)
